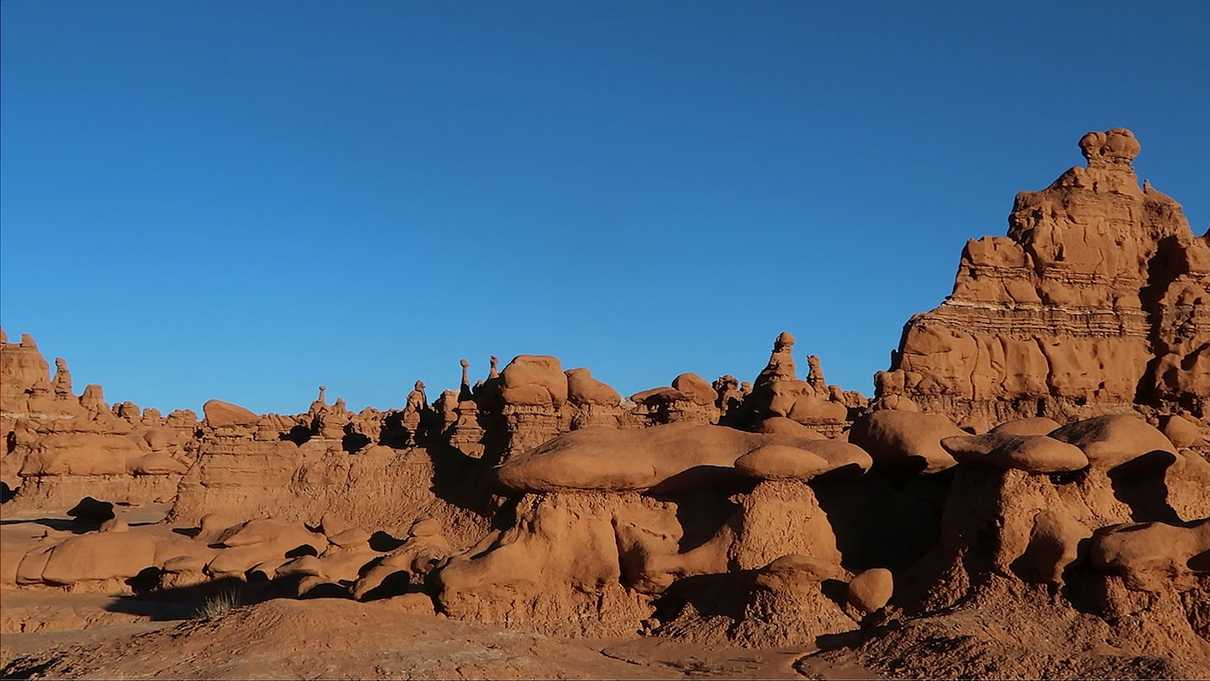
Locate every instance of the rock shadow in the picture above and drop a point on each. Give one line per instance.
(461, 480)
(63, 525)
(883, 519)
(1139, 483)
(184, 602)
(724, 594)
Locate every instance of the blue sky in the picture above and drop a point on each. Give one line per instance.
(244, 200)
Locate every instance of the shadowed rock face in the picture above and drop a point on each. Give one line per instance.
(1096, 298)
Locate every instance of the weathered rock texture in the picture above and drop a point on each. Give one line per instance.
(1095, 301)
(57, 448)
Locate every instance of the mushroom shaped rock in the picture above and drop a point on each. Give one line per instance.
(964, 447)
(871, 590)
(1030, 453)
(1110, 441)
(802, 461)
(182, 575)
(344, 563)
(1036, 425)
(1038, 454)
(582, 388)
(840, 454)
(212, 525)
(670, 457)
(904, 439)
(781, 425)
(780, 462)
(696, 388)
(221, 414)
(185, 564)
(811, 409)
(534, 380)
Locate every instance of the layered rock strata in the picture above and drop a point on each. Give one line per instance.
(1094, 302)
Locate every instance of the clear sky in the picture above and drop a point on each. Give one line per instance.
(243, 200)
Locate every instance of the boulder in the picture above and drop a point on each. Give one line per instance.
(1110, 441)
(221, 414)
(905, 440)
(871, 589)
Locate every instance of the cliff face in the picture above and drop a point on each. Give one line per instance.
(1094, 302)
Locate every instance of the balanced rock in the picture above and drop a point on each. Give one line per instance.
(1030, 453)
(781, 462)
(696, 387)
(221, 414)
(534, 380)
(904, 439)
(1035, 425)
(582, 388)
(1110, 441)
(781, 425)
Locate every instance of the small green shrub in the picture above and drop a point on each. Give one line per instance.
(219, 604)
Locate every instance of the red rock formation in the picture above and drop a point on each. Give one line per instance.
(1095, 300)
(779, 393)
(58, 449)
(538, 497)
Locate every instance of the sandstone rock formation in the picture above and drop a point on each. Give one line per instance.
(1029, 483)
(58, 449)
(1095, 301)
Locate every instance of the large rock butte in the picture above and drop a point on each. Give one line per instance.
(1095, 302)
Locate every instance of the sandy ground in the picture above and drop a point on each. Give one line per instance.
(49, 633)
(336, 638)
